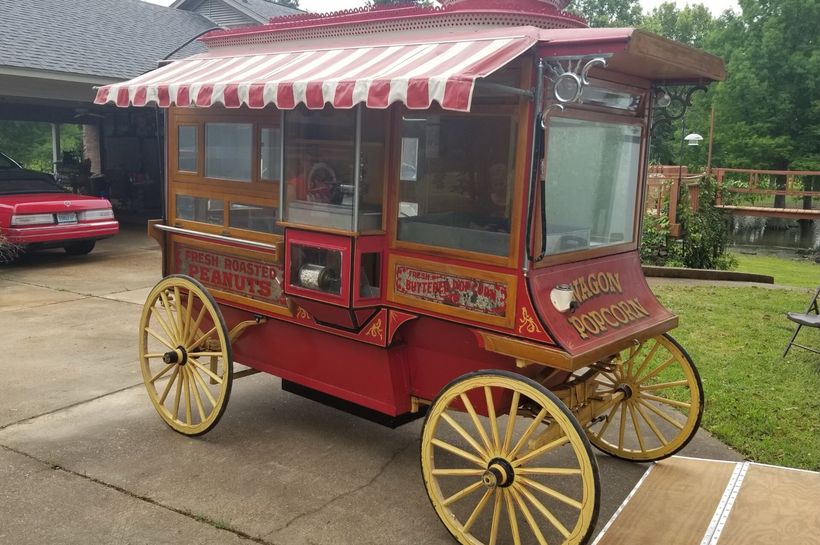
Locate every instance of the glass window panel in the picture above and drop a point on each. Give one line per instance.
(254, 218)
(316, 269)
(200, 209)
(228, 151)
(611, 99)
(188, 150)
(409, 158)
(319, 167)
(369, 275)
(270, 147)
(371, 169)
(592, 184)
(461, 196)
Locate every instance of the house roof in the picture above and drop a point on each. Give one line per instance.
(112, 39)
(260, 10)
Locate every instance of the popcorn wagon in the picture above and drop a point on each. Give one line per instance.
(413, 212)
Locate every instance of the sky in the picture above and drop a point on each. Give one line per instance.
(716, 6)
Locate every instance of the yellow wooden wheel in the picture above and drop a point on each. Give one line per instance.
(659, 403)
(185, 355)
(505, 462)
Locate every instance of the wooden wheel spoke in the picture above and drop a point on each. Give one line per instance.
(511, 515)
(463, 493)
(177, 396)
(216, 378)
(204, 354)
(627, 365)
(466, 436)
(195, 327)
(186, 390)
(622, 427)
(647, 359)
(528, 433)
(161, 373)
(167, 329)
(671, 402)
(189, 309)
(661, 413)
(172, 321)
(550, 492)
(178, 313)
(652, 426)
(540, 451)
(170, 383)
(544, 511)
(516, 398)
(458, 452)
(476, 422)
(522, 505)
(488, 394)
(657, 370)
(482, 503)
(197, 398)
(205, 389)
(160, 339)
(664, 385)
(637, 425)
(153, 356)
(554, 471)
(496, 516)
(203, 337)
(458, 472)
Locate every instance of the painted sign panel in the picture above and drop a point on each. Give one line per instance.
(232, 273)
(612, 300)
(484, 296)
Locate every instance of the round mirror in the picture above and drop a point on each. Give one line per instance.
(567, 87)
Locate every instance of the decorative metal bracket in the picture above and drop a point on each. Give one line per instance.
(568, 76)
(671, 103)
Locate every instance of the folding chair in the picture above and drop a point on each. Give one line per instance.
(810, 318)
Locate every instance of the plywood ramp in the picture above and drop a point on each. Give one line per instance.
(685, 501)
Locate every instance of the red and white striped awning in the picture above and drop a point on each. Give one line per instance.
(414, 72)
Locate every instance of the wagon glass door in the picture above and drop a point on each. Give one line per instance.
(591, 184)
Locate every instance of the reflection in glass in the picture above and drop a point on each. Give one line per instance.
(187, 150)
(228, 151)
(200, 209)
(461, 196)
(270, 144)
(317, 269)
(254, 218)
(592, 184)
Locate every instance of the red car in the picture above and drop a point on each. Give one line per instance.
(35, 213)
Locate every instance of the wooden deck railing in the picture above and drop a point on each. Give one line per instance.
(663, 190)
(748, 190)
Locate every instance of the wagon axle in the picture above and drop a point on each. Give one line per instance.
(178, 356)
(499, 473)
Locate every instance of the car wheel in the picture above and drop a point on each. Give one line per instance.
(80, 248)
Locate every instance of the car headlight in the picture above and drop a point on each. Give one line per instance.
(92, 215)
(32, 219)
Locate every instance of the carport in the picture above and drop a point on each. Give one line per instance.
(53, 53)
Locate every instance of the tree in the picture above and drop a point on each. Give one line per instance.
(690, 25)
(609, 13)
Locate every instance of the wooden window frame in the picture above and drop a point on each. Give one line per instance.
(254, 192)
(613, 116)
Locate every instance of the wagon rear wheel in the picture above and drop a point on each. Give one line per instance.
(185, 355)
(504, 461)
(661, 404)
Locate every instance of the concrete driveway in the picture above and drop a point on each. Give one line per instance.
(85, 459)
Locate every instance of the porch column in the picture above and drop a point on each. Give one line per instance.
(55, 147)
(91, 147)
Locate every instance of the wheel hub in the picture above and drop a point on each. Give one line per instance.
(499, 473)
(178, 356)
(626, 389)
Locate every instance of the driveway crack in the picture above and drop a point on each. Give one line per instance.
(343, 495)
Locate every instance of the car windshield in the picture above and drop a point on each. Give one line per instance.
(6, 163)
(17, 186)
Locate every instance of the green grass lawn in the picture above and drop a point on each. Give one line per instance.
(789, 272)
(766, 407)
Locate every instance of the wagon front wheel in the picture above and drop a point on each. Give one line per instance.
(504, 461)
(659, 402)
(185, 355)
